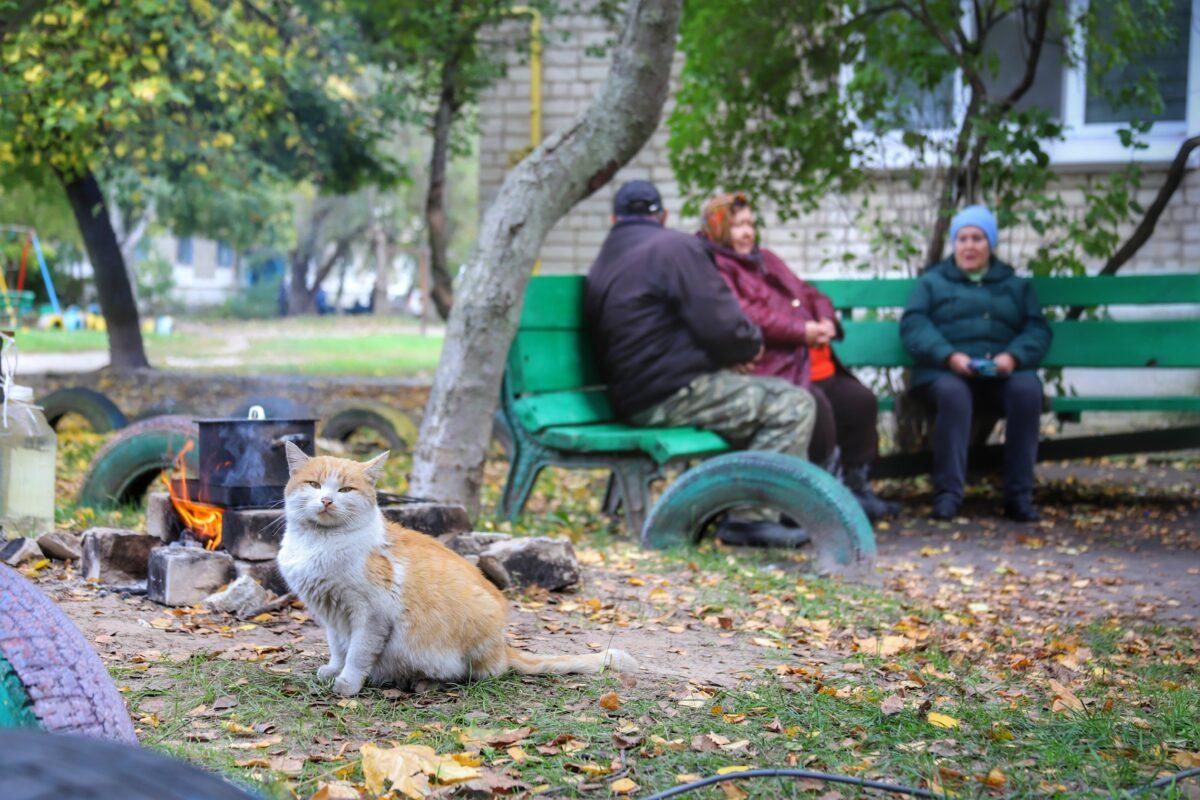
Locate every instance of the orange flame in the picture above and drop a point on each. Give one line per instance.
(200, 518)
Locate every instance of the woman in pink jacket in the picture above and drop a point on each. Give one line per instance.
(798, 323)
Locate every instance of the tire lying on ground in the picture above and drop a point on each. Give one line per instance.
(101, 413)
(391, 425)
(50, 678)
(841, 534)
(134, 458)
(40, 766)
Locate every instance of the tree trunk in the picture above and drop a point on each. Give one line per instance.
(383, 272)
(301, 299)
(125, 348)
(435, 199)
(564, 169)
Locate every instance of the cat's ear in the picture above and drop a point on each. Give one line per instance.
(374, 467)
(296, 457)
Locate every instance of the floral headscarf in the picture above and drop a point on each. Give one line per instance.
(717, 216)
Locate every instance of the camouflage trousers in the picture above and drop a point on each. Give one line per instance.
(752, 412)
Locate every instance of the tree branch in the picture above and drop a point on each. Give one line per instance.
(1031, 63)
(1145, 229)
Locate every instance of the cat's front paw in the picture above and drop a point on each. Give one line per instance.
(328, 671)
(346, 686)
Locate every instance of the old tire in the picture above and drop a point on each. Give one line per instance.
(125, 467)
(392, 426)
(274, 407)
(841, 534)
(101, 413)
(49, 675)
(39, 766)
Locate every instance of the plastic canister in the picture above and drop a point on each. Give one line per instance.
(27, 452)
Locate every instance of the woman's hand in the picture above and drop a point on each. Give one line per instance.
(819, 333)
(1005, 364)
(960, 364)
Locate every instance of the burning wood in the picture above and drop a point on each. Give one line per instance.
(202, 519)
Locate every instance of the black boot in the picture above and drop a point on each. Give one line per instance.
(1021, 509)
(945, 507)
(760, 533)
(858, 481)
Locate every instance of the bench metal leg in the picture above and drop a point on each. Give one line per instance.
(528, 461)
(633, 478)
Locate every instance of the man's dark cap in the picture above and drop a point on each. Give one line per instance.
(637, 198)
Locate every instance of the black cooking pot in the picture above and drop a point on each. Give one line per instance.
(243, 461)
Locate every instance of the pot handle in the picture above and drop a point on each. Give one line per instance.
(301, 440)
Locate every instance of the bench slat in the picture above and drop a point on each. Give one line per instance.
(552, 360)
(1075, 291)
(1088, 343)
(661, 444)
(554, 302)
(541, 411)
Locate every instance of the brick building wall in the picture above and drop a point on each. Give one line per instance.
(814, 244)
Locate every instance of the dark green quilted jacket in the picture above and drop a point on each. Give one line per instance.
(947, 312)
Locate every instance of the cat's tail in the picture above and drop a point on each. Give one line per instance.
(587, 663)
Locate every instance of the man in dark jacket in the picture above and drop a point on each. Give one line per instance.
(670, 336)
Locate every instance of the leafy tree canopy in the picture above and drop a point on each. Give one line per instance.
(794, 101)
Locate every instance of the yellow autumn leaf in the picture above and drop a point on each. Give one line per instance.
(734, 768)
(624, 786)
(409, 768)
(610, 701)
(941, 720)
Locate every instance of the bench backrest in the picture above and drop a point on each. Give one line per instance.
(551, 366)
(1077, 343)
(553, 370)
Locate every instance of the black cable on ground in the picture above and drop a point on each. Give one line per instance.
(895, 788)
(911, 791)
(1165, 781)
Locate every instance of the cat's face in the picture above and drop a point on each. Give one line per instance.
(327, 492)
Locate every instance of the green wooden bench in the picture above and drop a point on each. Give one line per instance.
(1103, 343)
(555, 407)
(557, 412)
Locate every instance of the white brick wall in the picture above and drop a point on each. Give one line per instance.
(813, 244)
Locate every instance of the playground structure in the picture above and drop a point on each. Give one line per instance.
(15, 303)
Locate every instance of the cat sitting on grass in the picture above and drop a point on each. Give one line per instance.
(396, 605)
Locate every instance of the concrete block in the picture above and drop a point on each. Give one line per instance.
(63, 545)
(265, 572)
(20, 550)
(241, 597)
(434, 519)
(535, 561)
(252, 534)
(116, 555)
(184, 576)
(162, 521)
(472, 543)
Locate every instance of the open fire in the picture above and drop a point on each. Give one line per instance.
(201, 519)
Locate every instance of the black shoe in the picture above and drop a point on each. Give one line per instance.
(760, 533)
(944, 508)
(858, 481)
(1021, 510)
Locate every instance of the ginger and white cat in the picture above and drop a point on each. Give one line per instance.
(396, 605)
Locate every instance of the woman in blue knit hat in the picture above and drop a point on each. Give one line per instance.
(977, 334)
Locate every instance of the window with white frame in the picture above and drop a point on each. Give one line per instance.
(1061, 88)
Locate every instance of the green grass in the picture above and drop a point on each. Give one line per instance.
(375, 355)
(320, 346)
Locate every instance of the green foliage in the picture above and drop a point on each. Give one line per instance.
(205, 109)
(794, 102)
(258, 301)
